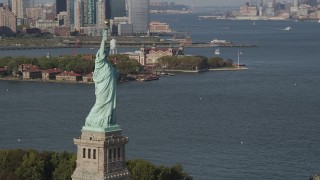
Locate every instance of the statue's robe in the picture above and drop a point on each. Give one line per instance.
(103, 112)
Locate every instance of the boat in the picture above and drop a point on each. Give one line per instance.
(288, 28)
(219, 42)
(217, 51)
(319, 21)
(147, 78)
(254, 23)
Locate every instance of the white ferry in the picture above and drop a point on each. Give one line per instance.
(218, 41)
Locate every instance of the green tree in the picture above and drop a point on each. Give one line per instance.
(10, 160)
(215, 62)
(65, 164)
(141, 170)
(32, 167)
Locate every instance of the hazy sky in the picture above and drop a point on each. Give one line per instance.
(191, 2)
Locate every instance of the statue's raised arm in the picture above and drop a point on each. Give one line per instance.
(102, 116)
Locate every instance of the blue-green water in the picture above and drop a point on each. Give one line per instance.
(261, 123)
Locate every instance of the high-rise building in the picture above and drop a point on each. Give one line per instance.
(115, 8)
(70, 11)
(100, 13)
(91, 12)
(296, 3)
(78, 14)
(19, 7)
(61, 5)
(8, 21)
(139, 16)
(7, 4)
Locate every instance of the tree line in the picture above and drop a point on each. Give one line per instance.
(30, 164)
(76, 64)
(192, 62)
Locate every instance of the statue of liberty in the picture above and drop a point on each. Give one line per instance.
(102, 116)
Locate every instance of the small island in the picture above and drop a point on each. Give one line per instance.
(78, 69)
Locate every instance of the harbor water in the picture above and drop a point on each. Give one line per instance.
(261, 123)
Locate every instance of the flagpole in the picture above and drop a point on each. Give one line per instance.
(238, 58)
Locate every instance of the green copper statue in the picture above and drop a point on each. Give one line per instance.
(102, 117)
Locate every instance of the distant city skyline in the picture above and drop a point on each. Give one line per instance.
(187, 2)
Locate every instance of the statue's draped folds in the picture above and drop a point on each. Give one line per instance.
(102, 114)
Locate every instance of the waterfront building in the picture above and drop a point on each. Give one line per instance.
(270, 9)
(24, 67)
(303, 11)
(8, 22)
(32, 74)
(139, 16)
(46, 24)
(149, 56)
(247, 10)
(88, 78)
(115, 8)
(313, 15)
(68, 76)
(30, 71)
(50, 74)
(19, 7)
(61, 5)
(158, 27)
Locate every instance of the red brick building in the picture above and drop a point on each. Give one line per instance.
(32, 74)
(24, 67)
(30, 71)
(50, 74)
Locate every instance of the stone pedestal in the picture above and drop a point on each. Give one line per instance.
(101, 156)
